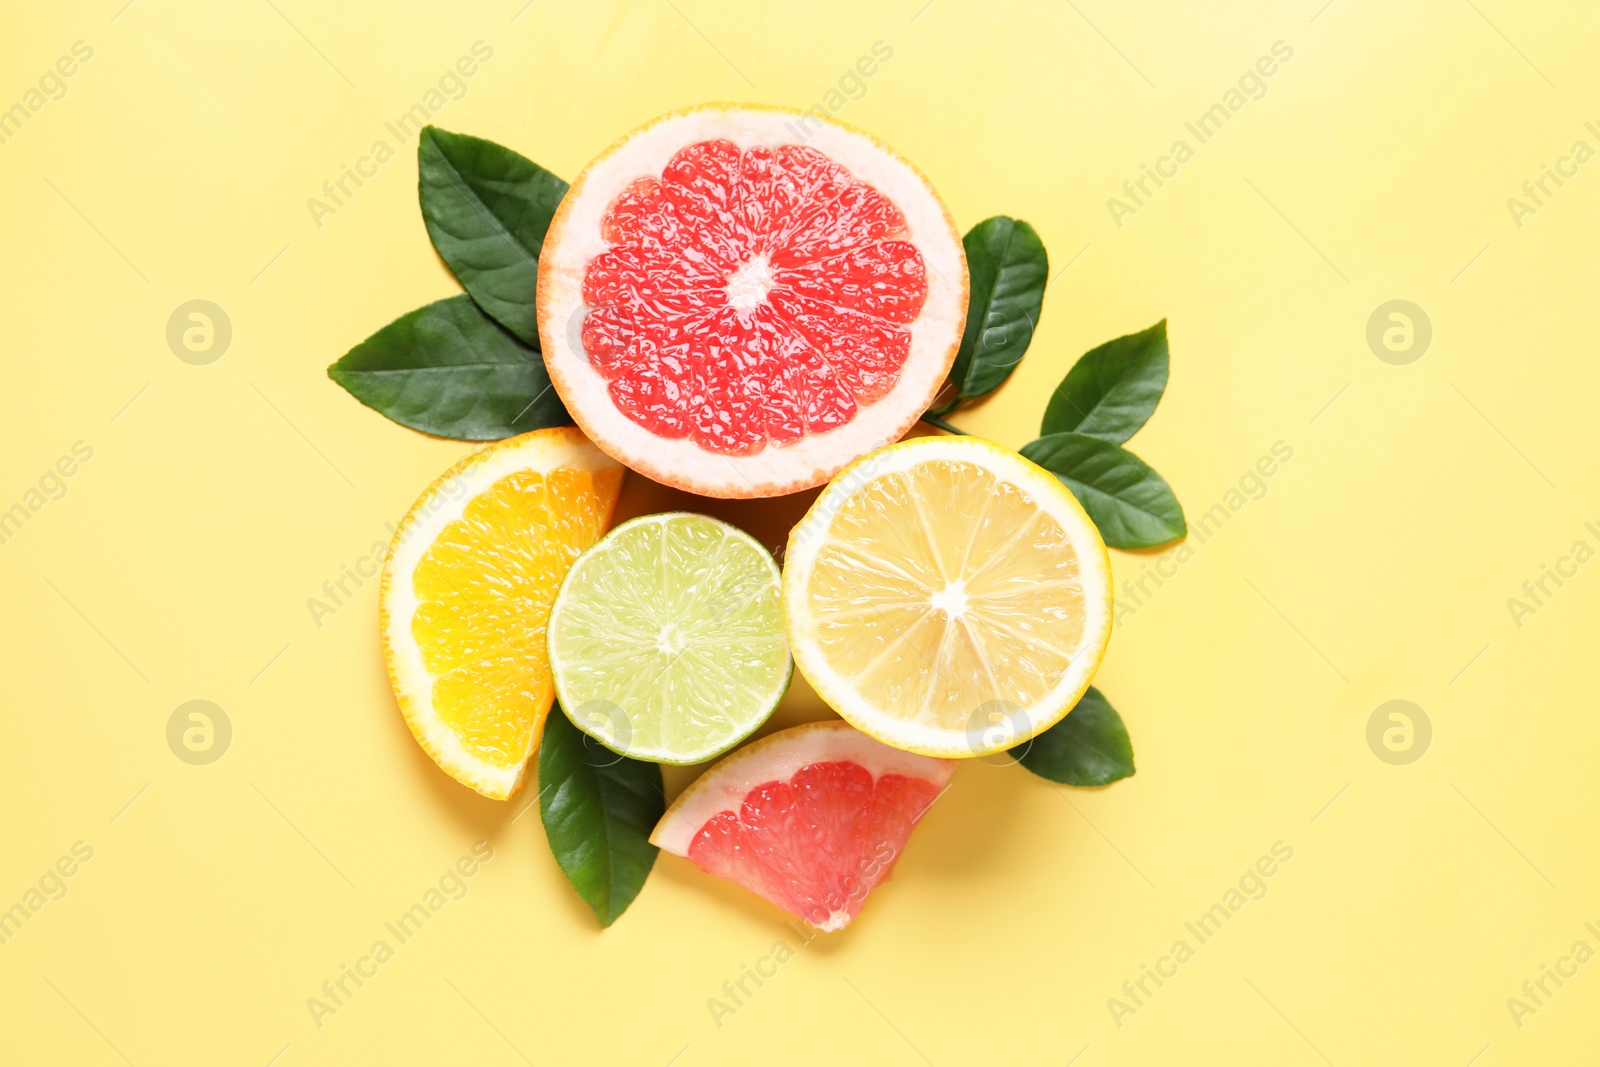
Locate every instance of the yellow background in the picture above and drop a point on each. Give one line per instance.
(1377, 566)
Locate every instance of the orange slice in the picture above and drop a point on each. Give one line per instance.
(466, 598)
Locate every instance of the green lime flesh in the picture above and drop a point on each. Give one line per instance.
(667, 641)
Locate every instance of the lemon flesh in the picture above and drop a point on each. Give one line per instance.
(948, 597)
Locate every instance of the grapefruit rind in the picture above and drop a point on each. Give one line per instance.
(777, 757)
(812, 532)
(574, 238)
(442, 503)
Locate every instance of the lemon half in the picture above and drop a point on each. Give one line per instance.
(947, 596)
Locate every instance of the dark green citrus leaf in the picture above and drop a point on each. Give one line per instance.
(1008, 268)
(449, 370)
(1127, 500)
(1089, 747)
(487, 209)
(1113, 389)
(598, 810)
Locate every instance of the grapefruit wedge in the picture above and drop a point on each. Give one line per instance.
(733, 312)
(811, 818)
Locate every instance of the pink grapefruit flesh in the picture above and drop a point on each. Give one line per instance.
(737, 314)
(811, 818)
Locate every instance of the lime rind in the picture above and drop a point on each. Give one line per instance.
(666, 639)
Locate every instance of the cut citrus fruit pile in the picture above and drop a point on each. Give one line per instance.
(947, 596)
(740, 316)
(666, 641)
(744, 301)
(466, 595)
(811, 818)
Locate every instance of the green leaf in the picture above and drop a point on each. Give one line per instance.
(598, 810)
(448, 370)
(1112, 390)
(1008, 268)
(1089, 747)
(1130, 503)
(487, 209)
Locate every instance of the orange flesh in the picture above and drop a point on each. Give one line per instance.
(484, 590)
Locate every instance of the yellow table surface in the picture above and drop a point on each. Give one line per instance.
(176, 562)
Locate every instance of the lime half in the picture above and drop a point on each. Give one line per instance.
(666, 639)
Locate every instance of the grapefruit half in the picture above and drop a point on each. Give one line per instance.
(737, 302)
(811, 818)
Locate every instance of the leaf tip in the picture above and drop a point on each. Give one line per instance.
(432, 139)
